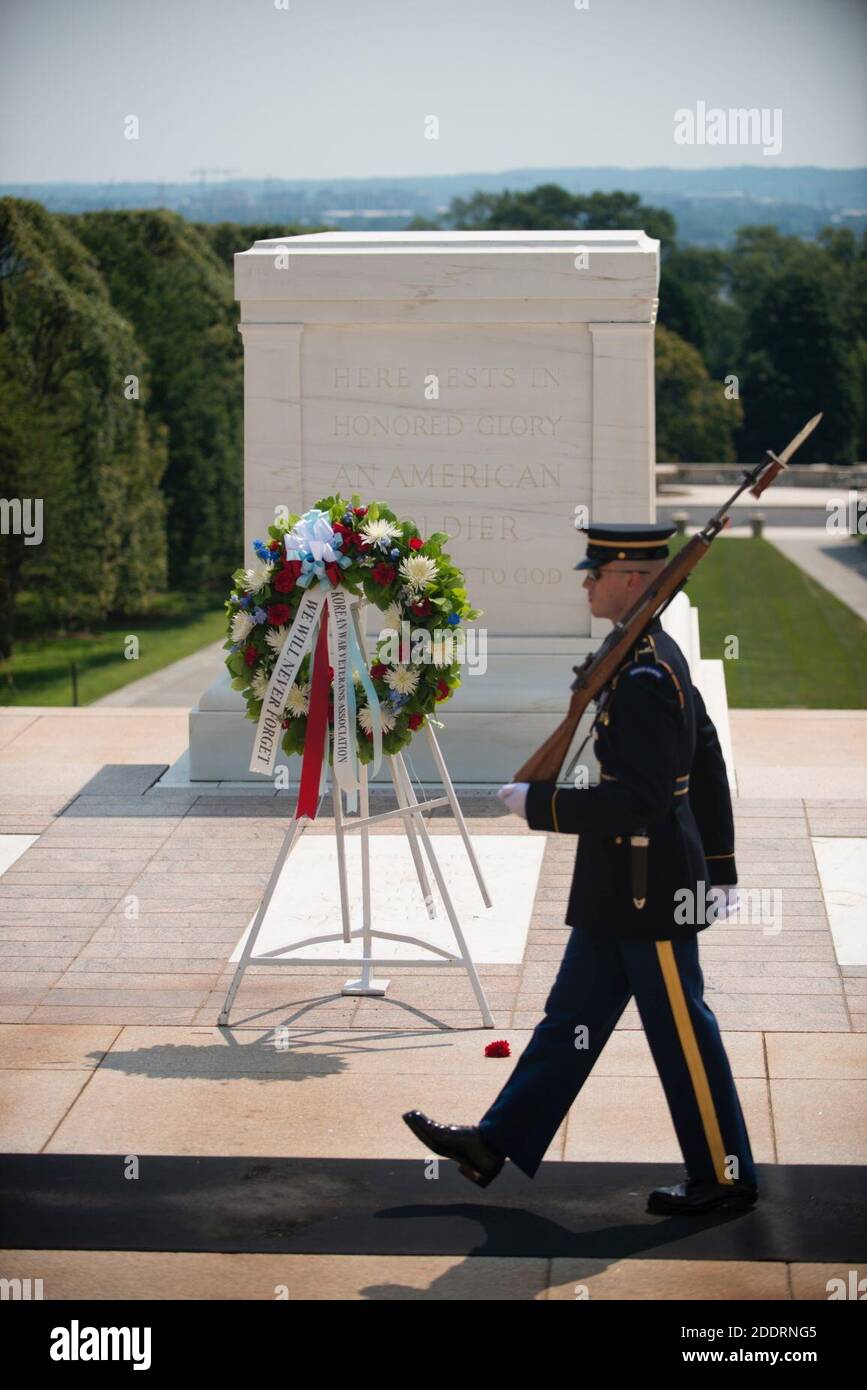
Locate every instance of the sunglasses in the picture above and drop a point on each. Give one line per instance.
(597, 574)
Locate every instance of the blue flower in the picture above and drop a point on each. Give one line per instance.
(453, 618)
(233, 598)
(259, 615)
(262, 550)
(246, 601)
(236, 646)
(394, 553)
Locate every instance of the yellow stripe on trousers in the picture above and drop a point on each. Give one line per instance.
(694, 1060)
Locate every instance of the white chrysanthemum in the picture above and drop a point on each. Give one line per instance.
(365, 719)
(402, 679)
(298, 700)
(259, 685)
(418, 570)
(242, 626)
(392, 617)
(380, 530)
(257, 576)
(275, 637)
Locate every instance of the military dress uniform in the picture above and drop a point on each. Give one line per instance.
(636, 909)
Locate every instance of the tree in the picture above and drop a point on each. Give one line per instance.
(165, 278)
(695, 422)
(797, 361)
(550, 207)
(70, 439)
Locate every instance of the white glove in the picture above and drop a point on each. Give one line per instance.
(732, 899)
(514, 794)
(722, 902)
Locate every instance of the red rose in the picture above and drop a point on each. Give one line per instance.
(415, 721)
(359, 511)
(278, 614)
(285, 723)
(377, 670)
(382, 573)
(415, 543)
(293, 566)
(443, 690)
(283, 581)
(498, 1049)
(273, 545)
(422, 608)
(332, 569)
(251, 656)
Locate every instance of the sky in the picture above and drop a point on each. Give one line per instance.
(319, 89)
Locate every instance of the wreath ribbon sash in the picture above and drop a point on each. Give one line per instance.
(335, 640)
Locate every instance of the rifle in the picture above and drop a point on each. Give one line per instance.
(600, 668)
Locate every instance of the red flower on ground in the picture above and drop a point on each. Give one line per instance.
(382, 573)
(251, 656)
(416, 543)
(498, 1049)
(443, 690)
(377, 670)
(278, 614)
(415, 721)
(284, 581)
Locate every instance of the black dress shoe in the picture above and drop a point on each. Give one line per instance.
(695, 1196)
(463, 1143)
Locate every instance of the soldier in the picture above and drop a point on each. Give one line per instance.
(655, 865)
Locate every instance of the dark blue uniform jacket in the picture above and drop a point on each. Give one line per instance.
(662, 771)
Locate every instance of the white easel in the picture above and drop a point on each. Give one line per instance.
(410, 811)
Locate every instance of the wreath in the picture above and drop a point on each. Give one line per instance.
(372, 554)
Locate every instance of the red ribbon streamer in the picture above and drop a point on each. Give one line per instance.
(317, 724)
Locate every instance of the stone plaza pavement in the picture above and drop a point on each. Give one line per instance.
(109, 1044)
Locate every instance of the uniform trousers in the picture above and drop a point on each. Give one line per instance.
(597, 978)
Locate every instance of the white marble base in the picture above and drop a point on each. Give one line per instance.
(12, 847)
(307, 900)
(489, 727)
(842, 864)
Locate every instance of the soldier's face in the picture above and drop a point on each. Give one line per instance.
(612, 591)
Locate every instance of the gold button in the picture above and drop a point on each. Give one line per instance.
(619, 840)
(621, 554)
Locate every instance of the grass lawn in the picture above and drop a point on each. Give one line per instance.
(798, 645)
(38, 672)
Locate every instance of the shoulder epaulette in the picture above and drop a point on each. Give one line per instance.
(647, 661)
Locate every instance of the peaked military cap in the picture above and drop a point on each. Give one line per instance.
(625, 541)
